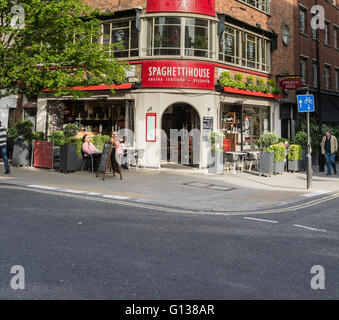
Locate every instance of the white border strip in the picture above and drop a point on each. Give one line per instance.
(262, 220)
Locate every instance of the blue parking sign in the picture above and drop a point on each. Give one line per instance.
(306, 103)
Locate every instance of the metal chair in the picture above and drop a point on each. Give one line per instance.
(231, 160)
(85, 158)
(252, 158)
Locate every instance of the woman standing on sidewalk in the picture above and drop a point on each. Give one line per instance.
(3, 147)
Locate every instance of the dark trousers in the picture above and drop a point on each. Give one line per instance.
(330, 160)
(3, 151)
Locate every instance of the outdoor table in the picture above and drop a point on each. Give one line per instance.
(237, 159)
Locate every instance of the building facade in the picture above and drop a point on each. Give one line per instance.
(317, 56)
(178, 51)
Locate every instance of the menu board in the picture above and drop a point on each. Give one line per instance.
(105, 159)
(151, 127)
(207, 127)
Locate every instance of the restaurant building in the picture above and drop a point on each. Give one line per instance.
(177, 51)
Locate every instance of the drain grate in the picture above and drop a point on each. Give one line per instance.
(208, 186)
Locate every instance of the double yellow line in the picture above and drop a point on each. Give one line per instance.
(181, 211)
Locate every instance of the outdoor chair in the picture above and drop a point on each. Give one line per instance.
(231, 161)
(85, 158)
(252, 159)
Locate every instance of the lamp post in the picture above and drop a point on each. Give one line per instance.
(320, 129)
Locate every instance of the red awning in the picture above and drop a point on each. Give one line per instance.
(123, 86)
(252, 93)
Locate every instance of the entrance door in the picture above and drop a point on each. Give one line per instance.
(182, 145)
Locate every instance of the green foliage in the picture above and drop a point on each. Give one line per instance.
(267, 140)
(301, 139)
(279, 152)
(250, 80)
(24, 128)
(78, 142)
(294, 153)
(270, 150)
(12, 133)
(271, 83)
(216, 140)
(238, 77)
(44, 53)
(58, 138)
(38, 136)
(237, 83)
(225, 74)
(314, 129)
(70, 130)
(99, 141)
(260, 82)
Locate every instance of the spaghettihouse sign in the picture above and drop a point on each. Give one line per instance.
(177, 74)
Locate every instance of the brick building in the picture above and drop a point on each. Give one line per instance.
(178, 50)
(323, 81)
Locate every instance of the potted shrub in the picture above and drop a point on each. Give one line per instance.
(216, 161)
(279, 158)
(294, 157)
(301, 139)
(69, 157)
(266, 159)
(22, 145)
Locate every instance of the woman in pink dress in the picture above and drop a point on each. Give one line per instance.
(89, 149)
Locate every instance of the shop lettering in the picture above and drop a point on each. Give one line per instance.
(178, 72)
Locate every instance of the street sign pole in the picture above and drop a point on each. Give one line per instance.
(306, 104)
(309, 156)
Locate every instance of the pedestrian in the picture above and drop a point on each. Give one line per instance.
(3, 147)
(329, 147)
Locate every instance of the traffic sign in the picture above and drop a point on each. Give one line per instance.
(306, 103)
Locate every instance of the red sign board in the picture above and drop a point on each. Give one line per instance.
(177, 74)
(194, 6)
(290, 83)
(43, 154)
(227, 144)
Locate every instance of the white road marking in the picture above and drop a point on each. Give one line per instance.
(36, 186)
(262, 220)
(108, 196)
(309, 228)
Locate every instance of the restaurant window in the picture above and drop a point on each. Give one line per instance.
(123, 36)
(245, 49)
(176, 36)
(243, 125)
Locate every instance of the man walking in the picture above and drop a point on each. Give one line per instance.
(3, 147)
(329, 147)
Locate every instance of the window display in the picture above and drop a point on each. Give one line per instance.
(243, 125)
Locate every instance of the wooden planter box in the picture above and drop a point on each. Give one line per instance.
(21, 153)
(266, 163)
(69, 159)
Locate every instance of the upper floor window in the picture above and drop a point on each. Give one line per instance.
(179, 36)
(336, 75)
(303, 70)
(123, 36)
(302, 19)
(263, 5)
(327, 33)
(245, 49)
(336, 37)
(327, 77)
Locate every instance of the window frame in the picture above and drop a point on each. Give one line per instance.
(129, 27)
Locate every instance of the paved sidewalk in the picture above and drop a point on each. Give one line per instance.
(186, 189)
